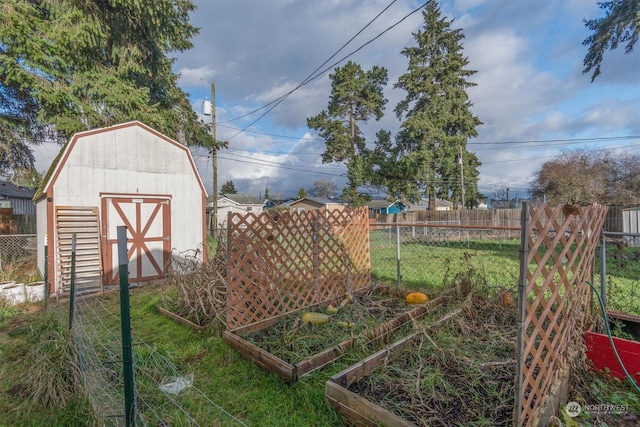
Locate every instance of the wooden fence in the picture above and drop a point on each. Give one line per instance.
(492, 218)
(558, 247)
(285, 261)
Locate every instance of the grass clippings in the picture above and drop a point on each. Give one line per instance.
(293, 340)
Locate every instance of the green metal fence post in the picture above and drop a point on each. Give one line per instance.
(125, 317)
(398, 274)
(522, 314)
(603, 270)
(72, 293)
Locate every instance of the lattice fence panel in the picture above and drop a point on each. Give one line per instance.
(285, 261)
(561, 246)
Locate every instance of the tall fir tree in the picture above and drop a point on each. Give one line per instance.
(436, 120)
(356, 97)
(69, 66)
(228, 188)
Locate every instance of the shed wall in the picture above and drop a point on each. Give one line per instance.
(128, 160)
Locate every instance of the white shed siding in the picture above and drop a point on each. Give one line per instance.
(130, 159)
(41, 224)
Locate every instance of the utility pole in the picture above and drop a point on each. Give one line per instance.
(213, 218)
(215, 158)
(461, 177)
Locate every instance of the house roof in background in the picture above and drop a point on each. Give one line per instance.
(8, 189)
(424, 204)
(323, 200)
(377, 204)
(243, 199)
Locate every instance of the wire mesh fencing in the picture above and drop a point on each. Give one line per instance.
(618, 258)
(434, 256)
(164, 394)
(16, 246)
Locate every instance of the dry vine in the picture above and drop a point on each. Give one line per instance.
(200, 290)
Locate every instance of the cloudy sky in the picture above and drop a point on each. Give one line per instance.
(531, 94)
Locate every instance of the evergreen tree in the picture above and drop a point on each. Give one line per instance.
(69, 66)
(437, 120)
(302, 193)
(621, 24)
(228, 188)
(356, 97)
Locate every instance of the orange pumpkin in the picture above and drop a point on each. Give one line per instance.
(507, 299)
(416, 298)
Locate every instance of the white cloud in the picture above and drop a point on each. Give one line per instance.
(196, 76)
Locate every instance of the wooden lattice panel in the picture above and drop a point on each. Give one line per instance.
(285, 261)
(561, 247)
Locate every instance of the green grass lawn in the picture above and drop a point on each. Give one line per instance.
(431, 266)
(228, 390)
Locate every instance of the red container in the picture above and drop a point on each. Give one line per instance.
(601, 355)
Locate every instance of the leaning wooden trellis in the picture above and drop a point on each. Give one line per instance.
(558, 246)
(282, 262)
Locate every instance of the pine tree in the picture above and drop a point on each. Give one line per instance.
(356, 97)
(621, 24)
(437, 120)
(228, 188)
(69, 66)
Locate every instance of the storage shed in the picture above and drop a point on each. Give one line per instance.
(125, 175)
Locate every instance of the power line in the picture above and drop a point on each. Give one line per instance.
(313, 77)
(310, 76)
(524, 159)
(543, 142)
(559, 141)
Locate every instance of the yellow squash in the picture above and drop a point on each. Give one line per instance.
(416, 298)
(315, 318)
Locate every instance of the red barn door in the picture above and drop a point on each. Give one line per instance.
(148, 222)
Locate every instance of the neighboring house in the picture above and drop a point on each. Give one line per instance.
(237, 203)
(124, 175)
(18, 199)
(311, 203)
(385, 207)
(441, 205)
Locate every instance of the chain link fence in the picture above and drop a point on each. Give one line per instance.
(16, 246)
(431, 257)
(617, 271)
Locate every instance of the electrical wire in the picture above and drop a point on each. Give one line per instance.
(311, 75)
(309, 79)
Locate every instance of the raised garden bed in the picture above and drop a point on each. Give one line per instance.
(601, 355)
(284, 346)
(458, 370)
